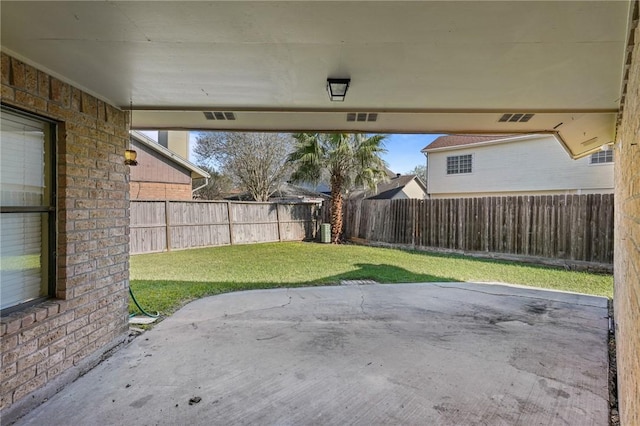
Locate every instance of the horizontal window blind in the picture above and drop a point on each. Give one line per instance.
(21, 162)
(20, 257)
(22, 234)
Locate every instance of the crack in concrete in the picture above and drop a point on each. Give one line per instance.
(362, 301)
(290, 299)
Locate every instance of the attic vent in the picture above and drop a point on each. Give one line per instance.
(515, 118)
(219, 115)
(362, 116)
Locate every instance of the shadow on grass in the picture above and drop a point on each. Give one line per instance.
(168, 296)
(484, 260)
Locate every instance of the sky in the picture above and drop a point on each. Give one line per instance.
(403, 150)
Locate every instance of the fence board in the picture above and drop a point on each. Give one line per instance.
(158, 226)
(571, 227)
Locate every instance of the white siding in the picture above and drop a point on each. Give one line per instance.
(539, 166)
(411, 190)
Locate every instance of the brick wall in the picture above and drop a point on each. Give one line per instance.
(157, 177)
(627, 247)
(45, 345)
(159, 191)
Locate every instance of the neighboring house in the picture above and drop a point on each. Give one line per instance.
(401, 187)
(160, 174)
(287, 193)
(478, 166)
(176, 141)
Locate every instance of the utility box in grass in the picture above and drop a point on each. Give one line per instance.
(325, 233)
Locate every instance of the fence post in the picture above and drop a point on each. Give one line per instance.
(278, 220)
(167, 212)
(230, 223)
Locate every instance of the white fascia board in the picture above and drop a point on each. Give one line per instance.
(519, 138)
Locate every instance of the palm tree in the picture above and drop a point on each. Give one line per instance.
(348, 159)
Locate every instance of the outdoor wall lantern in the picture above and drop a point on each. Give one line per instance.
(337, 88)
(130, 157)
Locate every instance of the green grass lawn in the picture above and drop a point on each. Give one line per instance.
(166, 281)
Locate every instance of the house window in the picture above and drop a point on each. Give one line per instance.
(601, 157)
(458, 164)
(27, 209)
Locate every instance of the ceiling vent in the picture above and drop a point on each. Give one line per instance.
(362, 116)
(515, 118)
(219, 115)
(588, 142)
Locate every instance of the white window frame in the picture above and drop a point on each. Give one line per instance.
(34, 291)
(458, 172)
(601, 157)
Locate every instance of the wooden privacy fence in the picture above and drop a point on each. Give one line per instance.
(571, 227)
(168, 225)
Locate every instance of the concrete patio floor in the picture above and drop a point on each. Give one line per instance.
(411, 354)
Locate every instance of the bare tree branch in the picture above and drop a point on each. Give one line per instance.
(257, 162)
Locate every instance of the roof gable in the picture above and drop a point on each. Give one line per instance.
(196, 172)
(451, 142)
(387, 190)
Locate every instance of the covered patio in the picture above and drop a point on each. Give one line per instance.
(436, 353)
(80, 75)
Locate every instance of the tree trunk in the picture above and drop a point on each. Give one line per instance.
(336, 209)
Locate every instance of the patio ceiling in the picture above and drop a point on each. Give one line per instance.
(450, 67)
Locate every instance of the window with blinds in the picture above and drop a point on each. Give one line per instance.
(27, 210)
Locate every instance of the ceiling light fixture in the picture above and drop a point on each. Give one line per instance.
(337, 88)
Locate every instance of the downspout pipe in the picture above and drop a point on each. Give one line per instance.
(206, 182)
